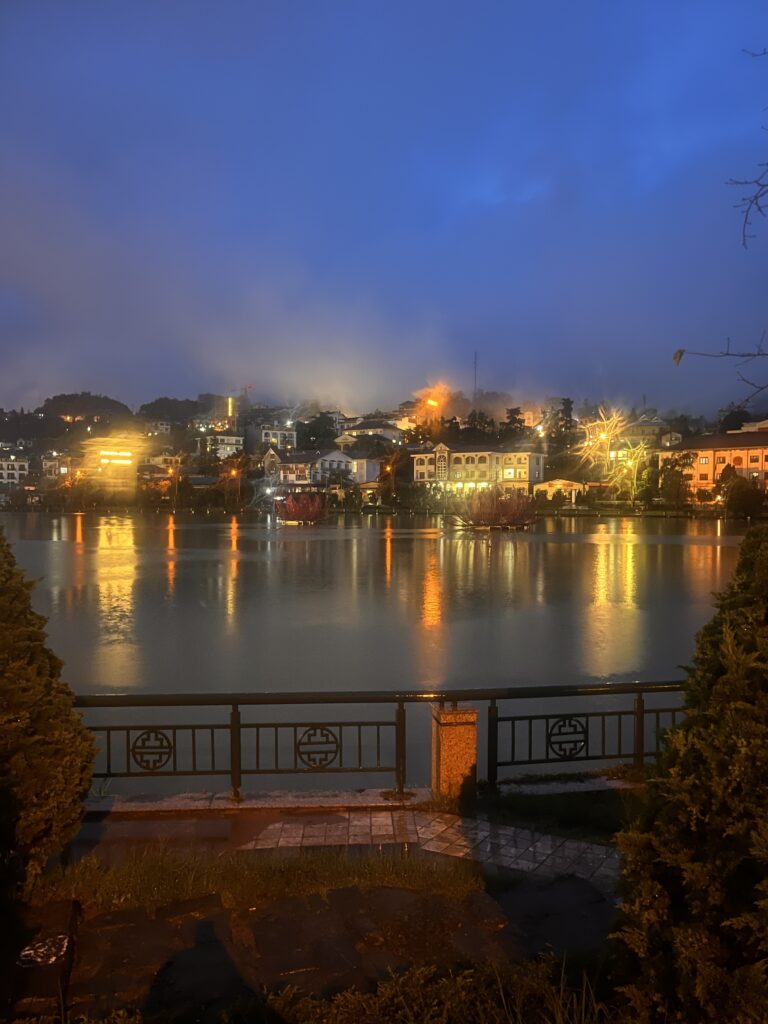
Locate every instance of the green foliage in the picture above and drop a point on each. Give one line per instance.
(743, 498)
(696, 861)
(513, 994)
(46, 753)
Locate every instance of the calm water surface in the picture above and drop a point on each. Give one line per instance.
(153, 602)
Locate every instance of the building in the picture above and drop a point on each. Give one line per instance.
(572, 489)
(278, 437)
(166, 459)
(307, 469)
(645, 430)
(375, 428)
(220, 445)
(751, 427)
(56, 465)
(153, 428)
(465, 467)
(14, 469)
(746, 452)
(365, 470)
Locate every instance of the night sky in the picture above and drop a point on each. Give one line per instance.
(344, 200)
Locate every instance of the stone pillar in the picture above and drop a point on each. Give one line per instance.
(454, 752)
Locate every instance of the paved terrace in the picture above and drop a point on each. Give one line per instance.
(517, 849)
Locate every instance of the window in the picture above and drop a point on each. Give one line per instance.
(720, 460)
(704, 460)
(421, 475)
(703, 476)
(470, 460)
(457, 460)
(442, 466)
(754, 458)
(420, 462)
(481, 459)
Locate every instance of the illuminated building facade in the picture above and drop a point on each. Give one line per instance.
(746, 452)
(307, 469)
(13, 469)
(465, 467)
(279, 437)
(221, 445)
(374, 428)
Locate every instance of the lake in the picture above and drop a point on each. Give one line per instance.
(181, 604)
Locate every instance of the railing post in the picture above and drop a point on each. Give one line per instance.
(234, 750)
(639, 745)
(493, 742)
(400, 749)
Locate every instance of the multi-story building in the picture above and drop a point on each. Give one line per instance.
(465, 467)
(307, 469)
(14, 469)
(56, 465)
(278, 437)
(746, 452)
(154, 427)
(221, 445)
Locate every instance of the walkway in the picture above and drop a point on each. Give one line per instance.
(505, 846)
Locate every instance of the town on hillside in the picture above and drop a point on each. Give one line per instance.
(82, 451)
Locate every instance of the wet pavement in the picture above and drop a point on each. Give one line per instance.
(503, 846)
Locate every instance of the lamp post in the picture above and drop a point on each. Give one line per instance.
(234, 474)
(173, 474)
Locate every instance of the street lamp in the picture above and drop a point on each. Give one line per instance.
(175, 477)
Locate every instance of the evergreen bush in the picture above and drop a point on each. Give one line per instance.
(46, 753)
(695, 913)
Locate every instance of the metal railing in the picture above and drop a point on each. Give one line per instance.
(235, 747)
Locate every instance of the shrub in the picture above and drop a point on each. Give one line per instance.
(302, 507)
(46, 753)
(488, 508)
(696, 861)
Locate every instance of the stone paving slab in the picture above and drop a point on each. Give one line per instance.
(517, 849)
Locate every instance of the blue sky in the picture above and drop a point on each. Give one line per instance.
(346, 200)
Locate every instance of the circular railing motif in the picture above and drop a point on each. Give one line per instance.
(567, 737)
(151, 750)
(318, 747)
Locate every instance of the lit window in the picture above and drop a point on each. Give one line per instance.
(704, 460)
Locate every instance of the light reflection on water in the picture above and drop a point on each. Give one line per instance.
(172, 603)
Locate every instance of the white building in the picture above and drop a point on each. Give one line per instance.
(155, 427)
(366, 471)
(278, 437)
(13, 469)
(307, 469)
(375, 428)
(466, 467)
(222, 445)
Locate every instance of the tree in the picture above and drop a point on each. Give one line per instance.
(317, 431)
(46, 753)
(175, 410)
(695, 863)
(743, 498)
(675, 474)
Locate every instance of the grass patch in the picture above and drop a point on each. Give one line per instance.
(595, 815)
(156, 875)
